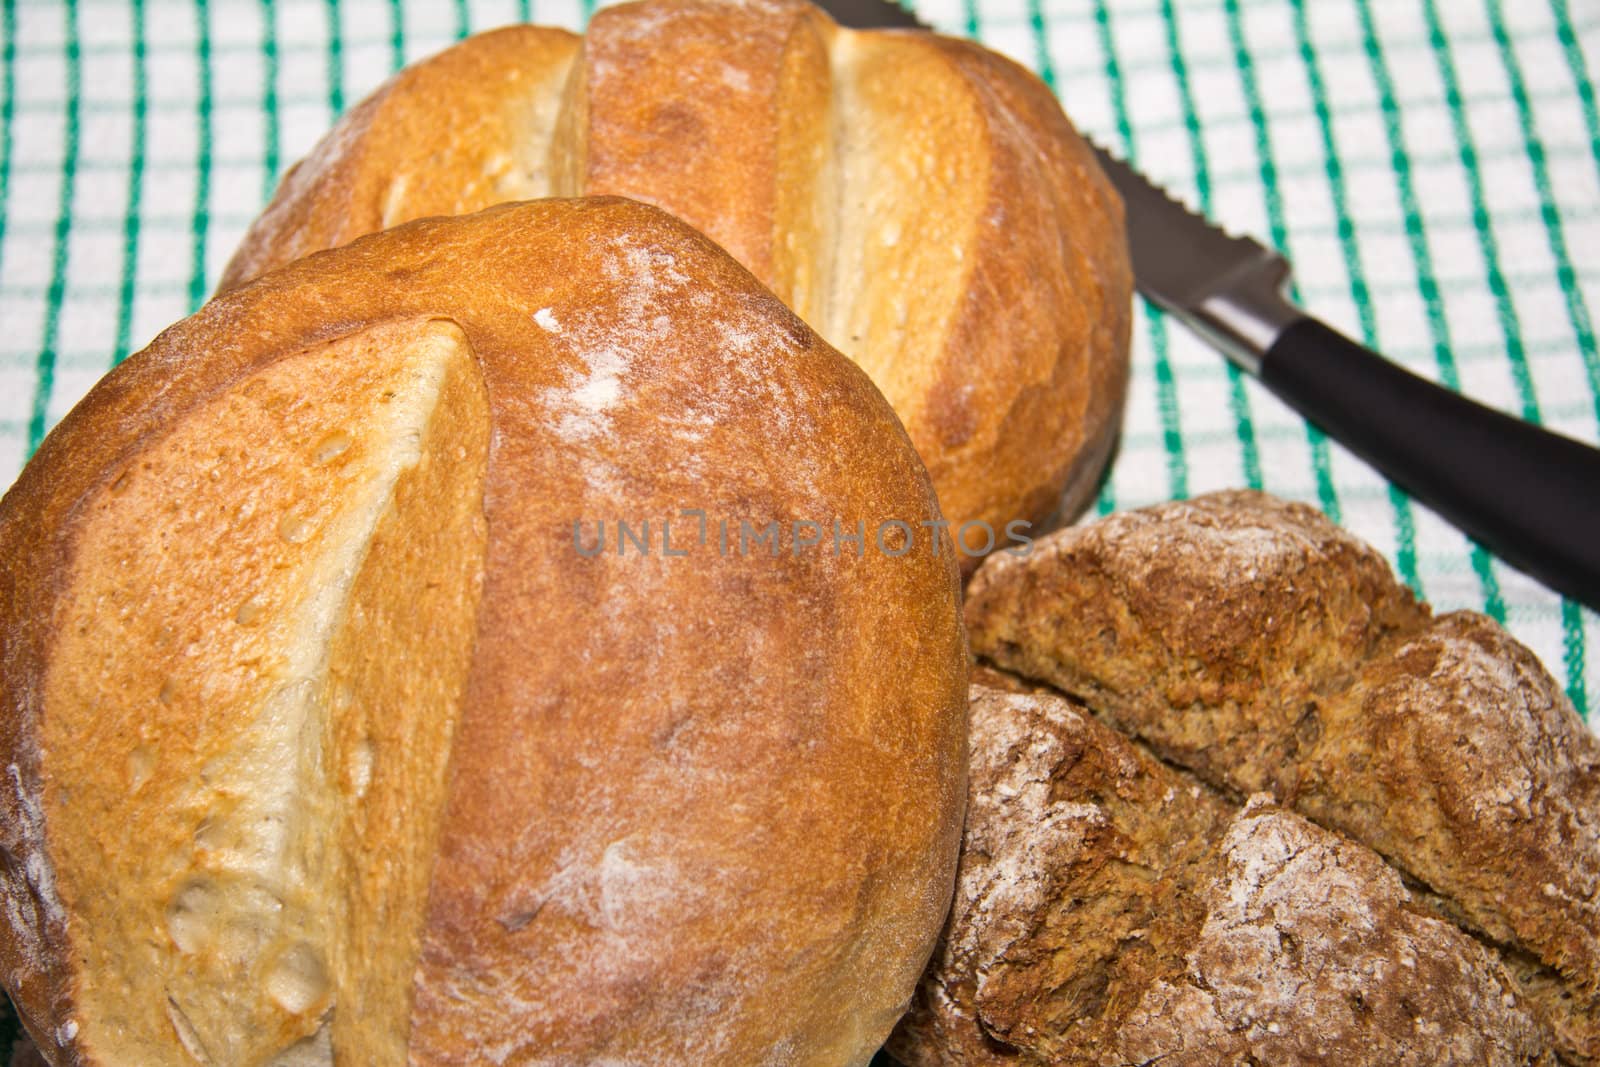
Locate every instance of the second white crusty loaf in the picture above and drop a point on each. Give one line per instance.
(920, 201)
(329, 739)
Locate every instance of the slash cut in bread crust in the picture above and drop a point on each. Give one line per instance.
(325, 741)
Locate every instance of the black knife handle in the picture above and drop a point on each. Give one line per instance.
(1531, 496)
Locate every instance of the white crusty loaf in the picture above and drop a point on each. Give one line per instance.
(922, 202)
(326, 743)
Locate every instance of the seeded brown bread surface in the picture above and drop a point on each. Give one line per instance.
(1255, 643)
(326, 743)
(1111, 910)
(921, 202)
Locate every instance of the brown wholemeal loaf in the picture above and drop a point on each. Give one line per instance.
(1264, 649)
(920, 201)
(328, 739)
(1111, 910)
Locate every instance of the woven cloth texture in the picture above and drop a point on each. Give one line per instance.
(1431, 168)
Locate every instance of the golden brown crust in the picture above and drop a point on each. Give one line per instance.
(921, 202)
(248, 556)
(685, 105)
(1110, 910)
(1019, 414)
(1255, 643)
(467, 129)
(691, 815)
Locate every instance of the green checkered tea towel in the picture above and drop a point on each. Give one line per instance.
(1431, 167)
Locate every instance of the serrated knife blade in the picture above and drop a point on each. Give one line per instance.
(1228, 288)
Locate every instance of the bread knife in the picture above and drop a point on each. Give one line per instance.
(1530, 495)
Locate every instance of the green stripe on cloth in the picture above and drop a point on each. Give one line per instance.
(1550, 214)
(1360, 294)
(8, 111)
(203, 137)
(1417, 241)
(45, 368)
(1043, 66)
(1574, 655)
(271, 133)
(1566, 277)
(8, 161)
(1510, 324)
(135, 202)
(1166, 393)
(1579, 69)
(1400, 162)
(1467, 147)
(397, 34)
(1321, 465)
(335, 60)
(1238, 400)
